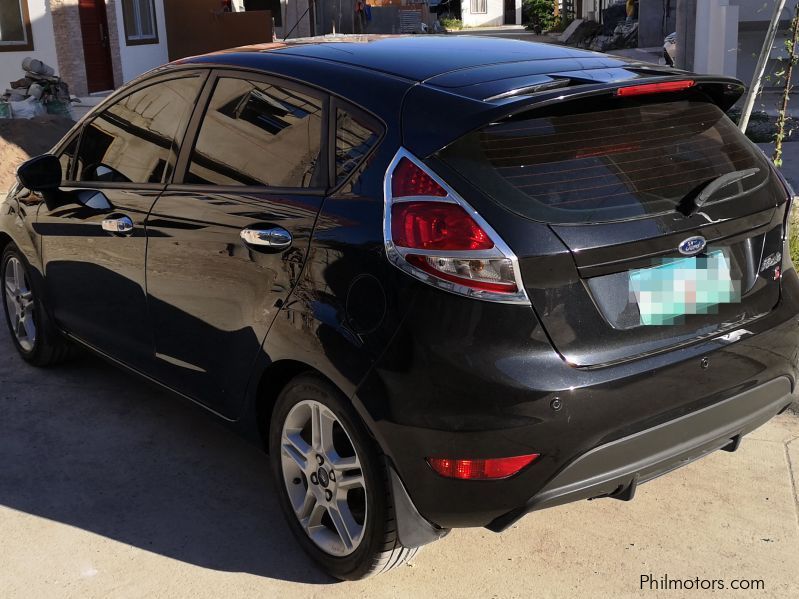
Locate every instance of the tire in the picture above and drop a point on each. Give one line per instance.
(311, 474)
(37, 341)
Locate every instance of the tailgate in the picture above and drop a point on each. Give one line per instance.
(673, 219)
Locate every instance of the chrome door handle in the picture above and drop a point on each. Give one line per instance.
(122, 225)
(276, 238)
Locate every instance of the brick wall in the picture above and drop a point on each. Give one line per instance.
(69, 43)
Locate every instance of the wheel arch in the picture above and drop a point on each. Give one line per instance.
(272, 380)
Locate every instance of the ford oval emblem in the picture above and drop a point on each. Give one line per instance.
(692, 245)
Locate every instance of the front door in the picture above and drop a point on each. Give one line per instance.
(227, 245)
(510, 12)
(94, 239)
(96, 45)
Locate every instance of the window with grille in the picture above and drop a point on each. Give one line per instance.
(479, 6)
(15, 26)
(140, 24)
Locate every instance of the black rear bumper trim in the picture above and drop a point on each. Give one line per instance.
(616, 468)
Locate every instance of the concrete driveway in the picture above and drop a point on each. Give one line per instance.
(111, 488)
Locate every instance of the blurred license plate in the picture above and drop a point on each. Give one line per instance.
(679, 286)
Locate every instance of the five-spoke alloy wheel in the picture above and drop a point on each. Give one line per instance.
(20, 307)
(333, 482)
(323, 478)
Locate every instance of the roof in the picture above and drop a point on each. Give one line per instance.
(415, 57)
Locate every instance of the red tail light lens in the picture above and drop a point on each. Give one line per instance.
(654, 88)
(491, 469)
(408, 180)
(436, 237)
(436, 226)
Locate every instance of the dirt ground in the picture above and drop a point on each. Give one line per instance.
(111, 488)
(20, 139)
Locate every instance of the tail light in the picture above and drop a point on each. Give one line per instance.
(432, 234)
(787, 262)
(490, 469)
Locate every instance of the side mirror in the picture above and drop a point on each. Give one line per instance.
(42, 173)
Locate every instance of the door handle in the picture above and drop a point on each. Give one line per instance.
(121, 226)
(276, 238)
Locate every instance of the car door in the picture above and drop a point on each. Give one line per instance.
(228, 239)
(93, 236)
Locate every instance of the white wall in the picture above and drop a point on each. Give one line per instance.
(43, 45)
(493, 17)
(139, 59)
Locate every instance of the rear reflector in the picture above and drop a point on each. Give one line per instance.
(654, 88)
(495, 468)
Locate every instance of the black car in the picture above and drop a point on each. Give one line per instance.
(446, 281)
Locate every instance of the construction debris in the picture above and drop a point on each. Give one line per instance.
(38, 92)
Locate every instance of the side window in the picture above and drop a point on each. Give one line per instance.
(67, 157)
(136, 139)
(354, 139)
(255, 133)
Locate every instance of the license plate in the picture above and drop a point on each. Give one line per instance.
(679, 286)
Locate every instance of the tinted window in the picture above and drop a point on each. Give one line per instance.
(354, 139)
(66, 158)
(603, 160)
(136, 139)
(258, 134)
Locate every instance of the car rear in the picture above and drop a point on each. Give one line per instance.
(603, 291)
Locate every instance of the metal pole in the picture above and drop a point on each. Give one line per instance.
(765, 52)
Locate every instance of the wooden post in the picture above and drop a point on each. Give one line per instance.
(557, 7)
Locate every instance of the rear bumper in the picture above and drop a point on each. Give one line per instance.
(468, 380)
(615, 469)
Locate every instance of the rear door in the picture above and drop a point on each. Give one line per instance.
(228, 239)
(619, 180)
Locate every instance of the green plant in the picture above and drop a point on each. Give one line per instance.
(539, 14)
(449, 23)
(793, 238)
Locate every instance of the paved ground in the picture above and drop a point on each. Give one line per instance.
(108, 487)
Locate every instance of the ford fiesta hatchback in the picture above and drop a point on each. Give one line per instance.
(445, 281)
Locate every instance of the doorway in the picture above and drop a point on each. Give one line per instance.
(96, 45)
(510, 12)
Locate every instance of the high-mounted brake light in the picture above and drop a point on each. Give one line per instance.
(655, 88)
(490, 469)
(432, 234)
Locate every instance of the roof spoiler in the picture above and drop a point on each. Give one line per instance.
(430, 112)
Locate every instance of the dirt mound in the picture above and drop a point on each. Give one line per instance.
(20, 139)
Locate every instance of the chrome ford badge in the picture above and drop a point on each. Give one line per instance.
(692, 245)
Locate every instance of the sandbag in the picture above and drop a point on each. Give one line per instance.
(27, 109)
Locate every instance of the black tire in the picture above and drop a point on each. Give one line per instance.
(380, 549)
(49, 347)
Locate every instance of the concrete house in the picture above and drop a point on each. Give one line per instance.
(491, 13)
(94, 45)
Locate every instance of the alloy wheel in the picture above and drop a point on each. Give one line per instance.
(323, 477)
(19, 304)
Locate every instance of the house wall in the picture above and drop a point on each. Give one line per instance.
(43, 44)
(493, 17)
(135, 60)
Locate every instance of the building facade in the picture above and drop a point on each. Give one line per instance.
(94, 45)
(491, 13)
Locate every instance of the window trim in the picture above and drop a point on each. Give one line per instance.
(474, 3)
(135, 40)
(375, 123)
(193, 133)
(123, 93)
(27, 45)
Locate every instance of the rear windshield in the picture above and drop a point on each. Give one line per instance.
(606, 159)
